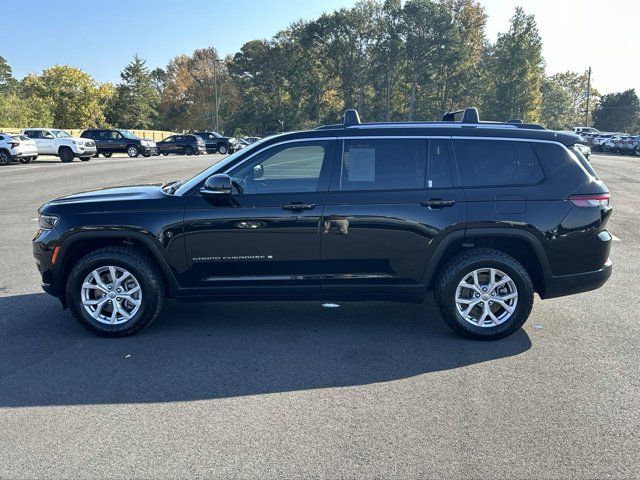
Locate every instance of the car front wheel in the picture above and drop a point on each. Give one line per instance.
(133, 151)
(115, 291)
(485, 294)
(66, 155)
(222, 149)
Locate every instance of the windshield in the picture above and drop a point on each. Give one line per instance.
(216, 167)
(60, 133)
(128, 134)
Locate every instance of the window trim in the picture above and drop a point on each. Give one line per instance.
(225, 168)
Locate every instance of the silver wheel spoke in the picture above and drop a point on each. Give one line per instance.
(95, 293)
(478, 300)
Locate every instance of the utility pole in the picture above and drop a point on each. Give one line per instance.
(586, 115)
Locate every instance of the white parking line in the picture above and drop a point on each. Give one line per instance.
(614, 238)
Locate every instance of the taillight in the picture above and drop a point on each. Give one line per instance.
(599, 200)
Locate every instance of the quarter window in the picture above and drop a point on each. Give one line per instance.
(497, 163)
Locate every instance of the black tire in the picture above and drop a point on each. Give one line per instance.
(140, 266)
(66, 155)
(146, 155)
(5, 158)
(85, 159)
(107, 154)
(467, 262)
(222, 149)
(133, 151)
(165, 153)
(188, 150)
(25, 160)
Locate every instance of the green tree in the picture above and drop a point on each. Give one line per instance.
(135, 102)
(618, 112)
(7, 82)
(73, 97)
(18, 112)
(556, 105)
(517, 71)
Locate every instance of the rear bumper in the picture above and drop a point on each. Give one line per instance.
(24, 153)
(560, 286)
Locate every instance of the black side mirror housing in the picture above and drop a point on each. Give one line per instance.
(218, 185)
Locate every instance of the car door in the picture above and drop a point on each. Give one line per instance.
(391, 202)
(47, 142)
(117, 142)
(265, 237)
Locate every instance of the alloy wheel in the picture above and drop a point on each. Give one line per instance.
(111, 295)
(486, 297)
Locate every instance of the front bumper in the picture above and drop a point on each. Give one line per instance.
(559, 286)
(149, 150)
(86, 152)
(43, 245)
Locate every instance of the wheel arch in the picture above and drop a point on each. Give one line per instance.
(77, 245)
(520, 244)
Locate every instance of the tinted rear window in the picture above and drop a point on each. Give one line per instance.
(484, 163)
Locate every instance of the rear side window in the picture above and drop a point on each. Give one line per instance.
(484, 163)
(383, 164)
(33, 133)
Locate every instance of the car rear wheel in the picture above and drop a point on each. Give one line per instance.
(133, 151)
(107, 154)
(85, 159)
(146, 155)
(66, 155)
(188, 150)
(485, 294)
(165, 153)
(115, 291)
(5, 158)
(222, 149)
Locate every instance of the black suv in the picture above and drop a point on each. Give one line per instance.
(187, 144)
(109, 142)
(484, 214)
(216, 143)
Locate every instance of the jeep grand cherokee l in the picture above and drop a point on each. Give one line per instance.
(484, 214)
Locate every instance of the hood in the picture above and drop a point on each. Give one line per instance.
(115, 194)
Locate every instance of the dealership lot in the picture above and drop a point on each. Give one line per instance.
(285, 389)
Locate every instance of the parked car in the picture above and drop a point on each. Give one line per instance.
(16, 148)
(344, 212)
(52, 141)
(584, 130)
(584, 149)
(110, 141)
(240, 144)
(182, 144)
(599, 140)
(216, 143)
(616, 143)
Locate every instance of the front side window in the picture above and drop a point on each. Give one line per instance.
(484, 163)
(115, 135)
(385, 164)
(285, 168)
(60, 133)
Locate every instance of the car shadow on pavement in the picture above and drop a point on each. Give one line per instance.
(217, 350)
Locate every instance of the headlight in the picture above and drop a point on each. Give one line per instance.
(47, 222)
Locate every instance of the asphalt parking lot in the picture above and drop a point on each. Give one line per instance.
(284, 390)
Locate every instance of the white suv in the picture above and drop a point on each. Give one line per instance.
(16, 147)
(51, 141)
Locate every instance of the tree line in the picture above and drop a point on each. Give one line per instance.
(391, 61)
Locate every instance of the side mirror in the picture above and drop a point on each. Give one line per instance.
(218, 185)
(258, 171)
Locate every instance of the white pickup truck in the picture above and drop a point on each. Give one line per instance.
(51, 141)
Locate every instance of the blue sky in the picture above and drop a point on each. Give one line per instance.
(101, 37)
